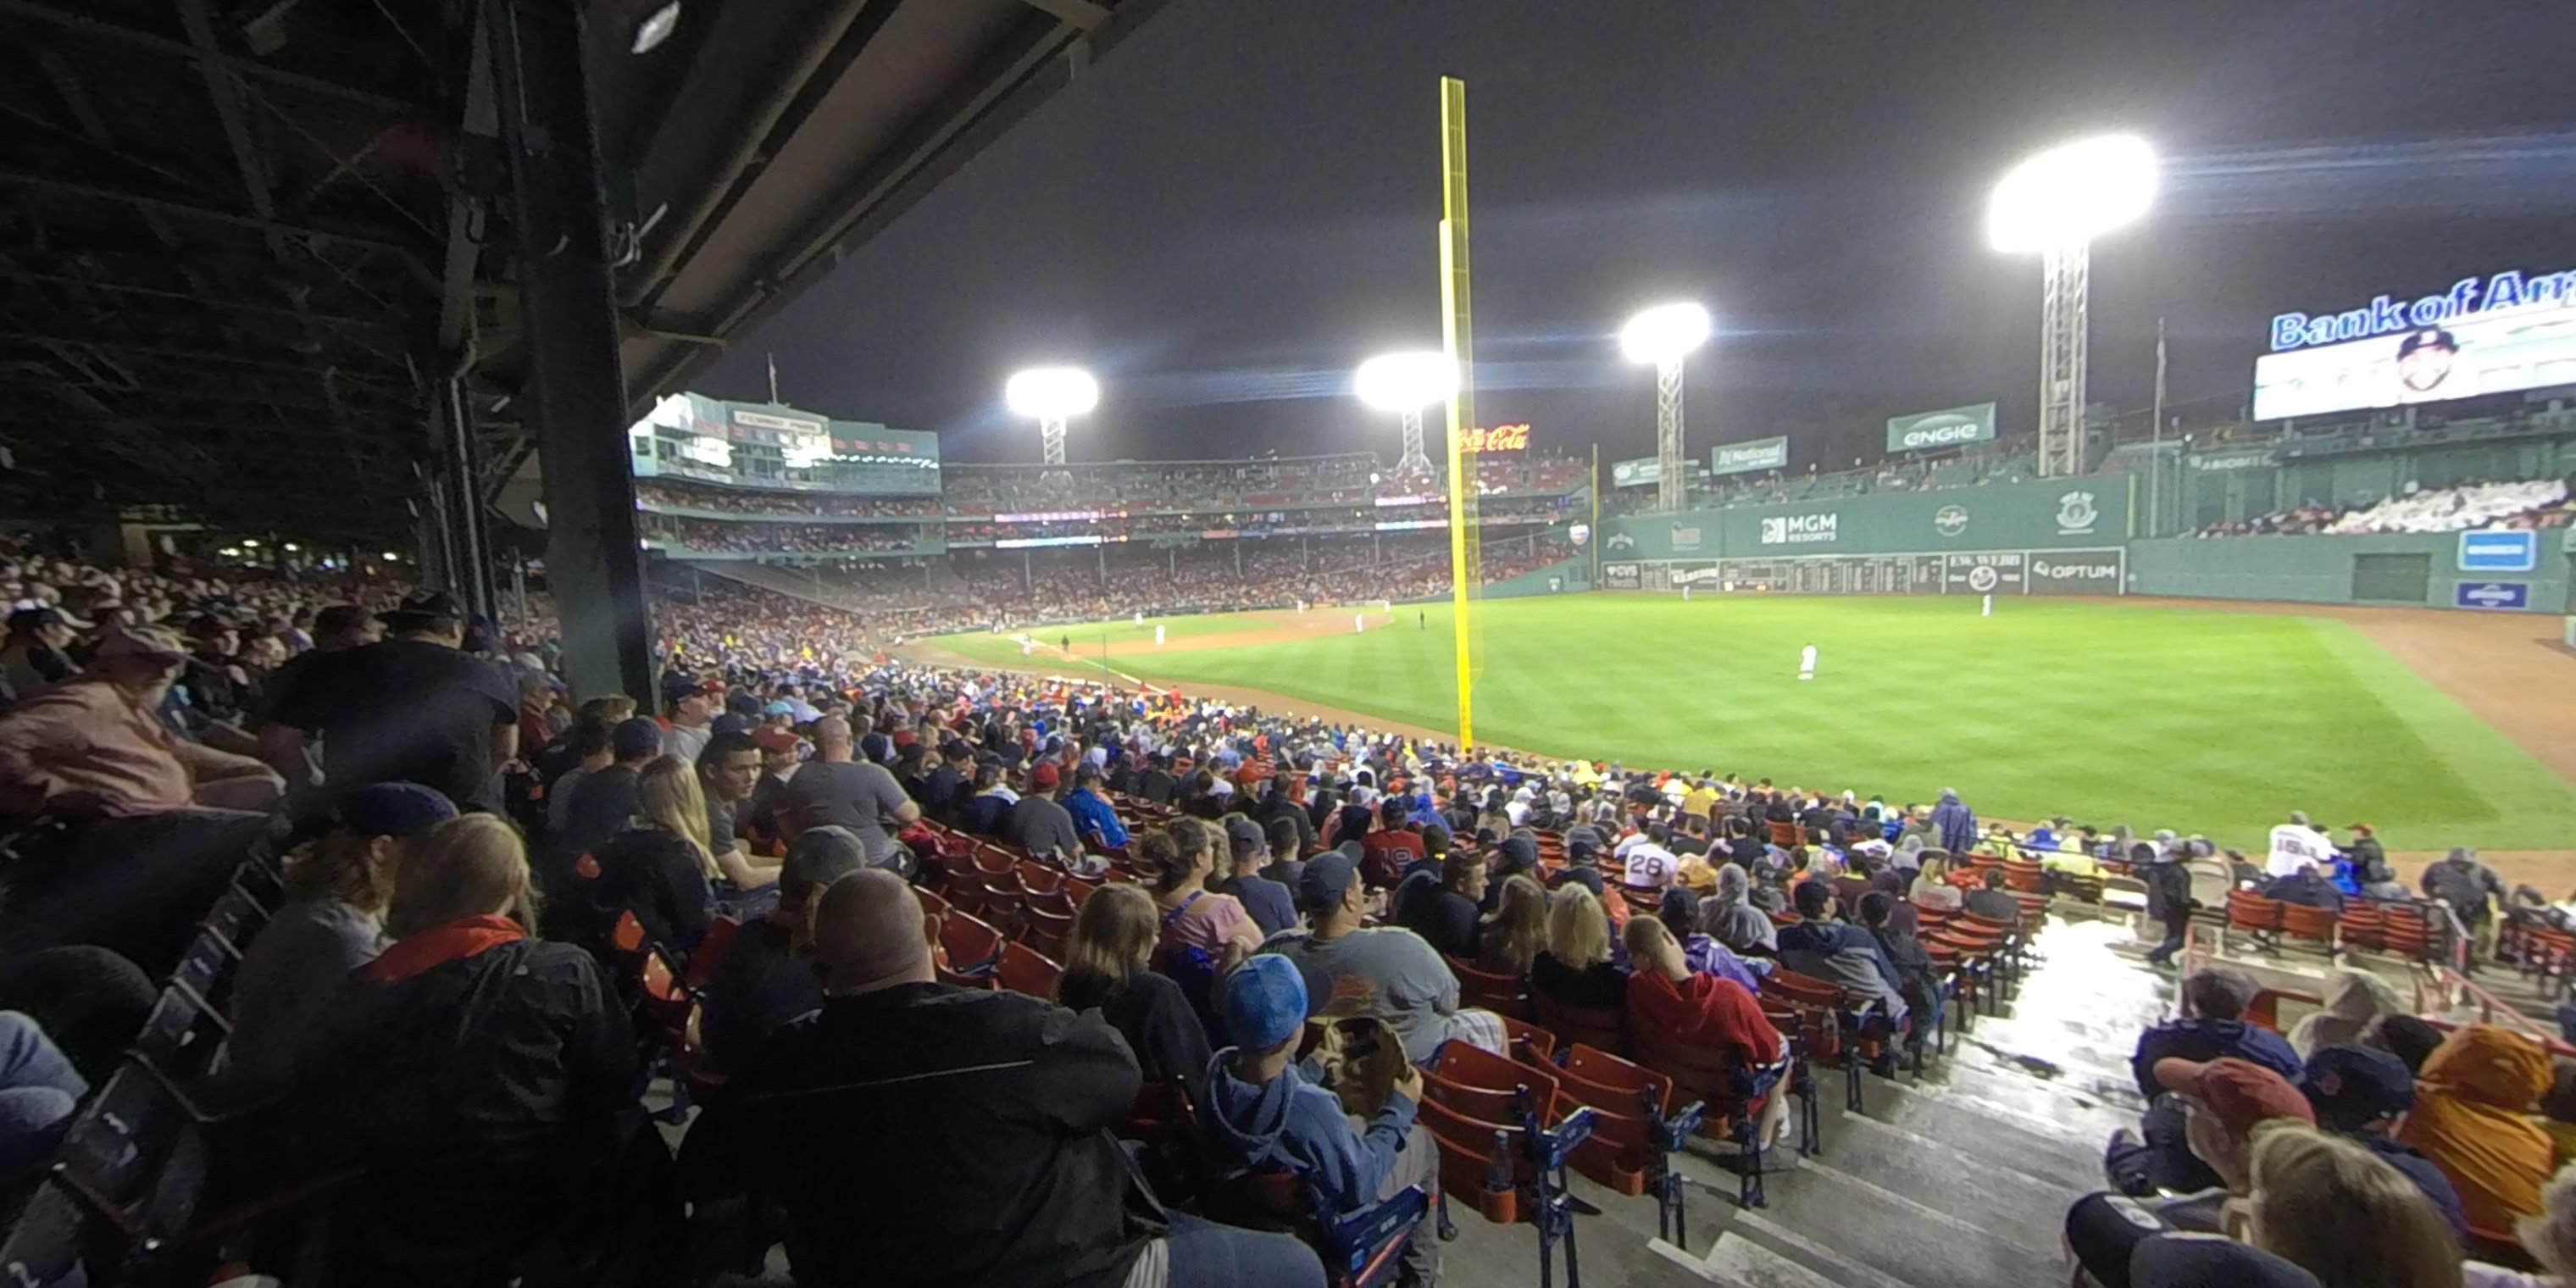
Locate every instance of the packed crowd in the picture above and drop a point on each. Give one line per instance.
(782, 538)
(677, 493)
(2530, 504)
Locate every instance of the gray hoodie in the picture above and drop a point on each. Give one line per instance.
(1292, 1124)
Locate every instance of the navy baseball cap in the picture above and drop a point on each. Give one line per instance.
(1265, 1002)
(1328, 876)
(2350, 1086)
(635, 738)
(394, 809)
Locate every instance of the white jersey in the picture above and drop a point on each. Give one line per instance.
(2294, 846)
(1807, 660)
(1650, 867)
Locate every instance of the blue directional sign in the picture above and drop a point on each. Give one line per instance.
(2492, 594)
(2499, 551)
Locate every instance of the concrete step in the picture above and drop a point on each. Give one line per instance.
(1739, 1261)
(1856, 1232)
(2044, 1148)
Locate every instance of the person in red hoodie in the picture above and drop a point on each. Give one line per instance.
(1707, 1014)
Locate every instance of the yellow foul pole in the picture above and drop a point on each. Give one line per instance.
(1457, 335)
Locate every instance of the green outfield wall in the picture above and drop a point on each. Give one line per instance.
(2084, 513)
(2416, 570)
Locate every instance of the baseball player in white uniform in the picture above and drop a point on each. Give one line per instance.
(1807, 663)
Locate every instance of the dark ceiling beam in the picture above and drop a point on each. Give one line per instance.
(111, 344)
(381, 239)
(705, 199)
(229, 304)
(180, 48)
(1073, 13)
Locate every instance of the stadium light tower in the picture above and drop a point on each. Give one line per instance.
(2055, 204)
(1051, 396)
(1406, 384)
(1664, 335)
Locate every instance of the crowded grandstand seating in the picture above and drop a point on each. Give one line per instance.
(2528, 504)
(842, 819)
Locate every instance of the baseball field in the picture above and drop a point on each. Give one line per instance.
(2207, 718)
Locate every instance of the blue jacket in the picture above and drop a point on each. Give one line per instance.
(1835, 938)
(2211, 1040)
(1294, 1125)
(1955, 824)
(1093, 817)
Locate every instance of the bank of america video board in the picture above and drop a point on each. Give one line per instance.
(2503, 333)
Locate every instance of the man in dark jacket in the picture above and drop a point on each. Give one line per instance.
(1839, 952)
(1954, 824)
(2306, 887)
(2466, 884)
(764, 980)
(2158, 1157)
(2361, 1093)
(2370, 867)
(2168, 885)
(1156, 784)
(920, 1134)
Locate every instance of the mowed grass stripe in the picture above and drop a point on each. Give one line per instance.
(2198, 719)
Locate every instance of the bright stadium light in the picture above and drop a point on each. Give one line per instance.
(2069, 195)
(2054, 205)
(1051, 396)
(1665, 335)
(1407, 384)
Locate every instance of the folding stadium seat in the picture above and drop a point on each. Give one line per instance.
(1636, 1127)
(2314, 926)
(1506, 995)
(2259, 918)
(990, 860)
(1037, 878)
(1076, 890)
(2365, 925)
(972, 944)
(1023, 970)
(711, 950)
(2407, 934)
(932, 904)
(1605, 1029)
(1046, 931)
(628, 935)
(1510, 1170)
(1528, 1042)
(2022, 876)
(1361, 1249)
(1832, 1025)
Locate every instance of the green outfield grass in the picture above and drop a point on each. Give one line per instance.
(2159, 717)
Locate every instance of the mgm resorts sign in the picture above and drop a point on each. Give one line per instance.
(1800, 529)
(1948, 427)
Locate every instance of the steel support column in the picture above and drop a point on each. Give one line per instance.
(2065, 274)
(1415, 463)
(471, 578)
(1671, 489)
(578, 383)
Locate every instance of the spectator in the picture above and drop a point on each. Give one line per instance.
(1446, 914)
(1386, 852)
(162, 821)
(2557, 1115)
(1156, 785)
(1181, 856)
(1647, 861)
(2363, 1095)
(2307, 888)
(2169, 899)
(1287, 864)
(658, 868)
(1272, 908)
(766, 976)
(988, 809)
(1575, 968)
(2353, 998)
(477, 1074)
(1108, 967)
(944, 788)
(2213, 1027)
(1840, 953)
(331, 923)
(1093, 816)
(1708, 1013)
(833, 788)
(1892, 925)
(34, 658)
(2344, 1214)
(1932, 888)
(1269, 1113)
(1680, 914)
(2370, 867)
(1733, 921)
(1389, 972)
(1022, 1089)
(2224, 1102)
(2549, 1238)
(1954, 825)
(687, 709)
(1991, 901)
(1515, 932)
(605, 799)
(1041, 826)
(408, 708)
(589, 747)
(2468, 886)
(2472, 1099)
(39, 1093)
(728, 770)
(2410, 1039)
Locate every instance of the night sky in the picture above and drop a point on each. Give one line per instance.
(1236, 205)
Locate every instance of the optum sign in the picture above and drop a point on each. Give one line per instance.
(1949, 427)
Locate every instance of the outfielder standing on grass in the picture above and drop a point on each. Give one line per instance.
(1807, 663)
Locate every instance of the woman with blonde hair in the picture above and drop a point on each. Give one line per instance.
(475, 1074)
(1515, 930)
(1108, 965)
(1574, 969)
(1932, 888)
(1180, 856)
(2335, 1210)
(660, 868)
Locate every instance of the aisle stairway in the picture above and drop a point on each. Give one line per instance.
(1959, 1180)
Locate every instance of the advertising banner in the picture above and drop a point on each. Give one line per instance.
(2492, 594)
(1742, 458)
(2251, 458)
(2078, 572)
(2500, 551)
(1949, 427)
(1997, 573)
(1619, 576)
(1645, 471)
(2499, 334)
